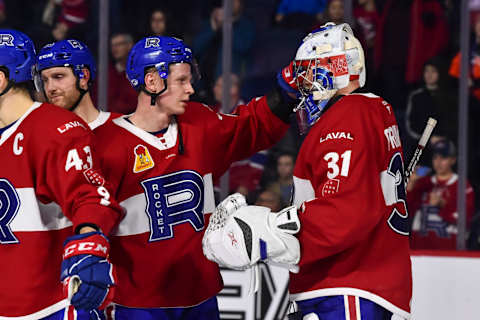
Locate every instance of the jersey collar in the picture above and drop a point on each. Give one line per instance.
(167, 141)
(7, 133)
(101, 119)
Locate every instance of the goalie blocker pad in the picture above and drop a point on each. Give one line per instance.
(252, 234)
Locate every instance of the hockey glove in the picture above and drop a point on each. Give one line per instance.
(251, 234)
(87, 274)
(287, 81)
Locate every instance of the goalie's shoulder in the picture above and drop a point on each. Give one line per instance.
(369, 102)
(365, 98)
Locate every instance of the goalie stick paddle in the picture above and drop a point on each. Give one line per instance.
(431, 123)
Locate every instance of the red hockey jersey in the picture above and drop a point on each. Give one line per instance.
(157, 248)
(435, 227)
(348, 180)
(47, 167)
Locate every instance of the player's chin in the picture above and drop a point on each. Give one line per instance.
(182, 106)
(58, 101)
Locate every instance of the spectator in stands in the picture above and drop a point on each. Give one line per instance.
(122, 98)
(433, 99)
(334, 12)
(409, 33)
(429, 36)
(474, 74)
(235, 98)
(367, 18)
(432, 202)
(474, 8)
(158, 22)
(72, 17)
(284, 181)
(207, 45)
(299, 13)
(278, 176)
(474, 101)
(270, 199)
(60, 31)
(244, 175)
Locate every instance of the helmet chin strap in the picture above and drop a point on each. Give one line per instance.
(82, 93)
(153, 95)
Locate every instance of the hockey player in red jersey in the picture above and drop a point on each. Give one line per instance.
(166, 156)
(50, 188)
(349, 184)
(349, 189)
(66, 71)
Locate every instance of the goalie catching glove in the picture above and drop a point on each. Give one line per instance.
(87, 274)
(238, 236)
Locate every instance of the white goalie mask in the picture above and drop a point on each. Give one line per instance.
(326, 61)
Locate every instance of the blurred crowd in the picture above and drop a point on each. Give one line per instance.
(412, 60)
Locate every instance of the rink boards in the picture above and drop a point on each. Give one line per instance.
(446, 285)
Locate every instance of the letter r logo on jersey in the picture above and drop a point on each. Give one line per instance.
(152, 42)
(174, 199)
(9, 204)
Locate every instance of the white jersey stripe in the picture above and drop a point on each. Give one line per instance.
(346, 306)
(357, 308)
(209, 197)
(35, 216)
(42, 313)
(303, 191)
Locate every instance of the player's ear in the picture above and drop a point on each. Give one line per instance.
(85, 79)
(3, 79)
(151, 80)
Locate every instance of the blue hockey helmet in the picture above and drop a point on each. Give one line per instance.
(17, 54)
(158, 52)
(67, 53)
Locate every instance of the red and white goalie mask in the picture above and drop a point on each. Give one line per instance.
(326, 61)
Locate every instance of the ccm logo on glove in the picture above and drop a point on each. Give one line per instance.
(98, 248)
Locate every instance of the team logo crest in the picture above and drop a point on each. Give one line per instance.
(94, 177)
(143, 159)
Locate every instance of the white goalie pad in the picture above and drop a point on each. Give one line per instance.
(240, 238)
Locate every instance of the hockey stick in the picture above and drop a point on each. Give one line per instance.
(73, 286)
(431, 123)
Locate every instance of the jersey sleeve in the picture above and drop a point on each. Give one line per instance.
(251, 128)
(72, 178)
(344, 175)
